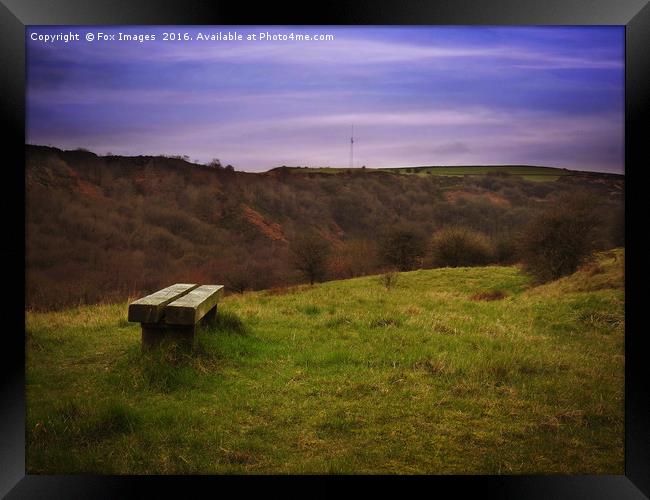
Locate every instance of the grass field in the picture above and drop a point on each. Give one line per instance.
(345, 377)
(533, 173)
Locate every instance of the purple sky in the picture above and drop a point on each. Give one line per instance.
(416, 96)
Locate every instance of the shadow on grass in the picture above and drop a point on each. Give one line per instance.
(226, 322)
(489, 295)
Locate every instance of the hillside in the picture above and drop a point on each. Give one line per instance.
(345, 376)
(106, 227)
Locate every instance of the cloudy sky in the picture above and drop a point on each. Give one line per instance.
(415, 95)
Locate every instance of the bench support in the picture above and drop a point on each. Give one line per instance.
(210, 316)
(154, 333)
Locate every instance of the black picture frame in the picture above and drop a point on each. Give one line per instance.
(15, 15)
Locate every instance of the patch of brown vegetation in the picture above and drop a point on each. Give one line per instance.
(271, 230)
(592, 269)
(89, 189)
(490, 295)
(69, 170)
(568, 417)
(238, 457)
(476, 195)
(286, 290)
(497, 199)
(143, 183)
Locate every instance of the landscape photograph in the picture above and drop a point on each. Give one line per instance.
(325, 250)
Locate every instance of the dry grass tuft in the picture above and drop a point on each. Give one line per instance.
(489, 295)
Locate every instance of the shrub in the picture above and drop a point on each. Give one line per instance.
(460, 246)
(246, 276)
(561, 238)
(165, 242)
(389, 279)
(403, 247)
(310, 252)
(353, 258)
(505, 250)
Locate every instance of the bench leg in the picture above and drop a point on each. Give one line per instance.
(211, 316)
(153, 334)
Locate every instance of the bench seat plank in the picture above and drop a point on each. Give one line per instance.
(150, 309)
(191, 307)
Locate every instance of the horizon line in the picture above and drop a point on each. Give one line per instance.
(185, 158)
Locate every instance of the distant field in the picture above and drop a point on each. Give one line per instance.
(320, 170)
(527, 172)
(344, 377)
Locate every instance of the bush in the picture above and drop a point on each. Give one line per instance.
(505, 250)
(403, 247)
(310, 252)
(561, 238)
(460, 246)
(389, 279)
(352, 258)
(251, 275)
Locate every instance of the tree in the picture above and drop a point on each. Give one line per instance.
(460, 246)
(403, 246)
(310, 252)
(215, 163)
(389, 279)
(560, 238)
(239, 278)
(352, 258)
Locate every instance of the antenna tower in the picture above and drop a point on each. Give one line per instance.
(352, 148)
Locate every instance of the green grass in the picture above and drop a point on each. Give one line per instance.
(533, 173)
(344, 377)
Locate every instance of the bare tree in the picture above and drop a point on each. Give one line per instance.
(239, 279)
(460, 246)
(215, 163)
(310, 252)
(403, 247)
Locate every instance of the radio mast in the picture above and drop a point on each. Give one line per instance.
(352, 147)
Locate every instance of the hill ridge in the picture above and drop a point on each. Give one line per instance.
(555, 170)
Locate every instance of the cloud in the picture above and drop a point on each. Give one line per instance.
(451, 148)
(350, 47)
(415, 96)
(432, 117)
(468, 137)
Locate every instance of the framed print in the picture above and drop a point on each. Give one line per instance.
(370, 239)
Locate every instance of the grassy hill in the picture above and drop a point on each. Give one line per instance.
(528, 172)
(345, 376)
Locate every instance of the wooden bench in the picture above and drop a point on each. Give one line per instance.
(173, 312)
